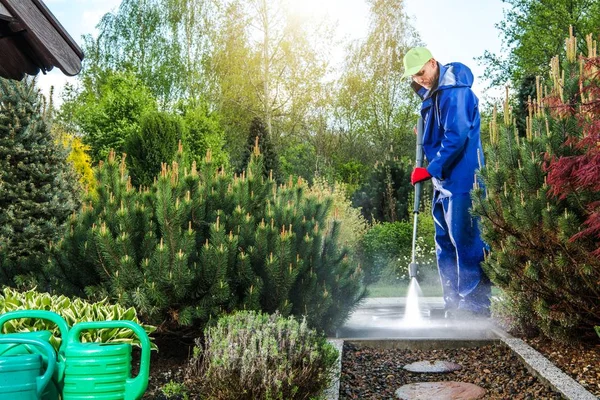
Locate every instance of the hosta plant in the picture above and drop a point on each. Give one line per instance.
(72, 311)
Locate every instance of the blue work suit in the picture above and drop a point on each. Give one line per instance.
(452, 147)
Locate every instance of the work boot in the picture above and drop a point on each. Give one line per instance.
(468, 312)
(450, 306)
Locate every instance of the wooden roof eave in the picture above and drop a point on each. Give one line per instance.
(46, 43)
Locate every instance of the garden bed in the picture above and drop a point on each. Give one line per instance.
(366, 372)
(372, 372)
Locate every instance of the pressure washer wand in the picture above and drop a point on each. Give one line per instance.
(412, 267)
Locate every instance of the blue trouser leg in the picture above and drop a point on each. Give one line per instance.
(459, 251)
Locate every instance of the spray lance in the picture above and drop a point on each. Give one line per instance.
(412, 267)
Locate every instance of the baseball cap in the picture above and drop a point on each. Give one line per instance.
(415, 59)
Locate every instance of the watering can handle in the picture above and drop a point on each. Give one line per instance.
(41, 381)
(135, 387)
(39, 314)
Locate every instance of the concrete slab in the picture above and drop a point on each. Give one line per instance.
(440, 391)
(436, 366)
(378, 318)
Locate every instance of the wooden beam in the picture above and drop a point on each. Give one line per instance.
(4, 14)
(15, 64)
(50, 17)
(43, 36)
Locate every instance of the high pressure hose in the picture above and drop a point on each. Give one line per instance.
(412, 267)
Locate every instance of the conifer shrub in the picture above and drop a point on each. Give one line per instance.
(385, 194)
(202, 242)
(353, 225)
(249, 355)
(155, 142)
(535, 207)
(38, 187)
(258, 136)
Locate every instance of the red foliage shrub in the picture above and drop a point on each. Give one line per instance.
(580, 174)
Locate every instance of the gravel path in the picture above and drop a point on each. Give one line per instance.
(370, 374)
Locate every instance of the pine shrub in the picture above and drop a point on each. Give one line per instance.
(252, 356)
(540, 256)
(203, 242)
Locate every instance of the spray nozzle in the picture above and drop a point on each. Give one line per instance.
(412, 270)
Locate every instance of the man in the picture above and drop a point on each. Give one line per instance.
(452, 147)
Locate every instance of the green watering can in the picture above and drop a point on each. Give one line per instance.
(54, 388)
(102, 371)
(20, 377)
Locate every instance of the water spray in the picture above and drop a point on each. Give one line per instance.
(412, 267)
(412, 313)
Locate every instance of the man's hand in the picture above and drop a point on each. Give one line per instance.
(418, 175)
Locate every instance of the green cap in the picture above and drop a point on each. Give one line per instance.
(414, 60)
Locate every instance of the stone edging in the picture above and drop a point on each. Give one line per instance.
(544, 370)
(333, 392)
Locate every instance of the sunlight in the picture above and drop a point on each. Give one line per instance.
(314, 9)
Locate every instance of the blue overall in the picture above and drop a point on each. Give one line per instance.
(452, 146)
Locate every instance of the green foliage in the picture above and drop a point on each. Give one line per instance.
(298, 159)
(532, 32)
(550, 279)
(425, 256)
(383, 244)
(151, 146)
(352, 173)
(353, 225)
(107, 110)
(38, 187)
(173, 390)
(138, 38)
(202, 242)
(384, 196)
(72, 311)
(203, 132)
(251, 355)
(373, 104)
(79, 156)
(258, 137)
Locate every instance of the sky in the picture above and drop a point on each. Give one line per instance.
(458, 30)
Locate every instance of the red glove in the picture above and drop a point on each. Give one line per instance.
(419, 174)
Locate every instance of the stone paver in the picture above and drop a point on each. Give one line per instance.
(433, 366)
(440, 391)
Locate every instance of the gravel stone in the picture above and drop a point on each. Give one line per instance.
(373, 374)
